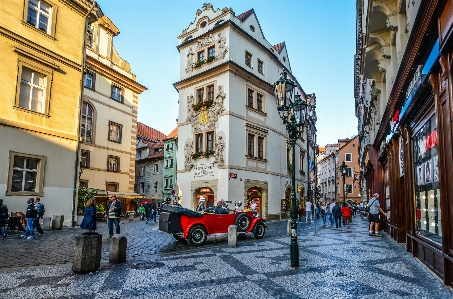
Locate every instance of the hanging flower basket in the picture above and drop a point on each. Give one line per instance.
(203, 105)
(199, 63)
(210, 58)
(205, 154)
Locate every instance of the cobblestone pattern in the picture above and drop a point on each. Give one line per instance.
(335, 263)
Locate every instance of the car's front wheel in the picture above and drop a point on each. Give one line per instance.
(197, 235)
(259, 230)
(243, 222)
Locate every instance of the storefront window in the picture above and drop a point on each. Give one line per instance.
(427, 192)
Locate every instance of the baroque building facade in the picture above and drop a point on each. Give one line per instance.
(233, 145)
(41, 53)
(327, 169)
(108, 124)
(403, 101)
(170, 165)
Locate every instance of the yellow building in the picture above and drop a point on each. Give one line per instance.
(109, 117)
(41, 58)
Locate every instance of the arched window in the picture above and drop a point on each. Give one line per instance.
(86, 124)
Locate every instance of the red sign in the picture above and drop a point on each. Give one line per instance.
(205, 190)
(233, 175)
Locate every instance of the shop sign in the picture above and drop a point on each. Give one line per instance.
(202, 170)
(401, 156)
(205, 190)
(233, 175)
(427, 142)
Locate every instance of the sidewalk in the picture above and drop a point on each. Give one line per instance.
(334, 263)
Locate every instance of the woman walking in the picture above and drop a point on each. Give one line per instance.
(89, 220)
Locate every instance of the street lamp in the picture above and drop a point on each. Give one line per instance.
(343, 170)
(292, 113)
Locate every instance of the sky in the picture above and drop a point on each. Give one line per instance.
(319, 36)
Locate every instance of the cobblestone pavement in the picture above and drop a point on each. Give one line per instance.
(334, 263)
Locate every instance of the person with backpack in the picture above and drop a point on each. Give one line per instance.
(40, 214)
(30, 216)
(336, 212)
(374, 208)
(114, 207)
(3, 218)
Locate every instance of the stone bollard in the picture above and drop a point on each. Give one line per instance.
(131, 216)
(57, 221)
(46, 223)
(118, 245)
(232, 236)
(288, 230)
(87, 252)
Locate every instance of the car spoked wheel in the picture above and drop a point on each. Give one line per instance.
(197, 235)
(259, 230)
(243, 222)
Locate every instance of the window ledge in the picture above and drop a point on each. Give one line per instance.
(256, 110)
(256, 158)
(38, 30)
(31, 111)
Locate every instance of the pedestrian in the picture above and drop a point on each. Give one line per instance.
(331, 217)
(3, 218)
(375, 207)
(146, 206)
(141, 212)
(40, 215)
(89, 219)
(308, 211)
(30, 216)
(114, 207)
(152, 212)
(318, 209)
(200, 206)
(324, 212)
(300, 212)
(336, 211)
(346, 211)
(253, 207)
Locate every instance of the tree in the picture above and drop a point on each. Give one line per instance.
(84, 194)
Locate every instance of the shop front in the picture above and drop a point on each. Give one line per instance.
(205, 195)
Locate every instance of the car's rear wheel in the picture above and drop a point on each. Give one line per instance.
(178, 237)
(243, 222)
(197, 235)
(259, 230)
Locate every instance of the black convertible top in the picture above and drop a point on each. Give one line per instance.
(181, 210)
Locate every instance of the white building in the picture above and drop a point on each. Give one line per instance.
(233, 144)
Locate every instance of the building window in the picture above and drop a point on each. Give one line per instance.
(26, 174)
(90, 38)
(210, 141)
(301, 159)
(88, 80)
(200, 56)
(348, 157)
(116, 93)
(33, 90)
(168, 183)
(250, 98)
(155, 187)
(169, 163)
(349, 172)
(250, 145)
(83, 183)
(211, 52)
(112, 187)
(85, 159)
(86, 124)
(156, 168)
(210, 92)
(348, 188)
(142, 170)
(260, 66)
(261, 147)
(113, 163)
(39, 15)
(259, 102)
(142, 187)
(200, 95)
(199, 143)
(115, 132)
(248, 59)
(252, 28)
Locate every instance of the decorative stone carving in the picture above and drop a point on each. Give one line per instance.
(219, 151)
(206, 118)
(208, 40)
(190, 55)
(385, 52)
(392, 22)
(188, 149)
(223, 48)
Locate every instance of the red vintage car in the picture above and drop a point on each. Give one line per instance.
(185, 224)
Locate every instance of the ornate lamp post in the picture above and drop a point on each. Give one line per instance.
(343, 170)
(292, 112)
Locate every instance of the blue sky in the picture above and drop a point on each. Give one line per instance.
(319, 35)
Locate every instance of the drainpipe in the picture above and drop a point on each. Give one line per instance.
(77, 160)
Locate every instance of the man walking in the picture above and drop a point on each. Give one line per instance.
(331, 217)
(30, 216)
(40, 214)
(375, 208)
(152, 212)
(114, 207)
(308, 206)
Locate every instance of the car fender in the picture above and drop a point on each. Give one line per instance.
(188, 222)
(255, 220)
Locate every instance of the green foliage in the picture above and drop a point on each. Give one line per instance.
(84, 195)
(290, 167)
(100, 208)
(210, 58)
(200, 63)
(203, 105)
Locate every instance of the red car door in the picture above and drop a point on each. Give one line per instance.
(213, 223)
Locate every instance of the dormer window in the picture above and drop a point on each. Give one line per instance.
(252, 28)
(203, 24)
